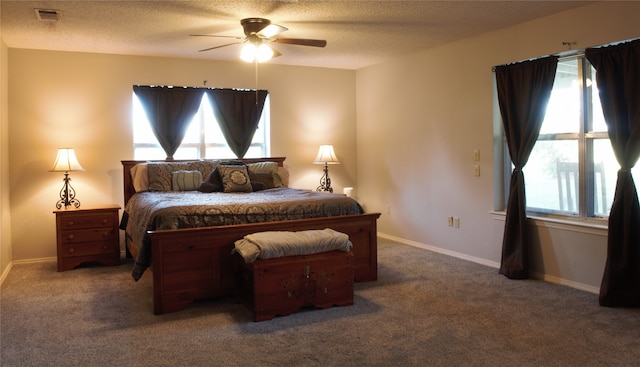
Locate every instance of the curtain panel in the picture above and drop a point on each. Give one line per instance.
(523, 94)
(169, 111)
(618, 76)
(238, 113)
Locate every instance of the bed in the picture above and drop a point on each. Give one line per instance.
(186, 263)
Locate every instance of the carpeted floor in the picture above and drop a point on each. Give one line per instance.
(426, 309)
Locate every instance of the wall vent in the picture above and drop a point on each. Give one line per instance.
(47, 14)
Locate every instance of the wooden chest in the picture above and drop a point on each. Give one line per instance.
(283, 285)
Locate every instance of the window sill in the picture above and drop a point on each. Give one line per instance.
(599, 228)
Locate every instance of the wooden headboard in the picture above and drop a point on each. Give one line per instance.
(128, 180)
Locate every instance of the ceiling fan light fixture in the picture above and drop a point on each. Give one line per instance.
(259, 33)
(264, 53)
(248, 52)
(252, 52)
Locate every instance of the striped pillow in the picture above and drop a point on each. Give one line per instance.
(185, 180)
(267, 166)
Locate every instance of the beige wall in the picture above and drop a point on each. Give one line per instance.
(83, 101)
(421, 117)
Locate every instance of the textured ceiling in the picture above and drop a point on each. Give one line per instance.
(358, 33)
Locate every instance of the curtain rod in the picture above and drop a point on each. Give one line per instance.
(210, 88)
(571, 53)
(560, 58)
(577, 54)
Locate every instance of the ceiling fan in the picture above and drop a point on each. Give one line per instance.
(258, 33)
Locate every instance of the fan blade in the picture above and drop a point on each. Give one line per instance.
(272, 30)
(300, 41)
(213, 48)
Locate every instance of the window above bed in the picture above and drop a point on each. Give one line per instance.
(203, 139)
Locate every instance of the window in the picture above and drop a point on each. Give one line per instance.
(203, 140)
(572, 170)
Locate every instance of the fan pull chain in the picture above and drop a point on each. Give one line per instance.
(256, 66)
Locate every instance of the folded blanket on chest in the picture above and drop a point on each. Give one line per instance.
(268, 245)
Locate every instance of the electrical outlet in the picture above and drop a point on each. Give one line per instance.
(456, 222)
(388, 209)
(450, 221)
(476, 170)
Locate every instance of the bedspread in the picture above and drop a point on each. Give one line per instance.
(150, 211)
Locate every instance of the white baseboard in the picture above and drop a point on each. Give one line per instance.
(493, 264)
(33, 261)
(27, 261)
(439, 250)
(565, 282)
(6, 273)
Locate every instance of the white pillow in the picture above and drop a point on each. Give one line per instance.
(283, 173)
(140, 176)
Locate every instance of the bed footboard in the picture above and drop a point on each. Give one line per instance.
(192, 264)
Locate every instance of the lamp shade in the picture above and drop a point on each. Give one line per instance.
(66, 161)
(326, 155)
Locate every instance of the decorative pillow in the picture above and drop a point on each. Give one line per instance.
(265, 178)
(257, 186)
(235, 178)
(186, 180)
(161, 173)
(213, 183)
(271, 167)
(140, 177)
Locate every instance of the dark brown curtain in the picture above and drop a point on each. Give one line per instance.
(618, 77)
(238, 113)
(523, 94)
(169, 111)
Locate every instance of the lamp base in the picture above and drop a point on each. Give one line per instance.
(67, 195)
(325, 181)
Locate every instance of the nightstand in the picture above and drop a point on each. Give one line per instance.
(87, 234)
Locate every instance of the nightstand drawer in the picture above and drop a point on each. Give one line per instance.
(87, 221)
(87, 235)
(90, 248)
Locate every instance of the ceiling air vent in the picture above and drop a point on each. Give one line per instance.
(47, 14)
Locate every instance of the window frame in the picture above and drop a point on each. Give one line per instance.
(202, 145)
(585, 138)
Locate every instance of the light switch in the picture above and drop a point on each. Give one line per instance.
(476, 155)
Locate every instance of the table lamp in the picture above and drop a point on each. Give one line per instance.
(66, 162)
(326, 156)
